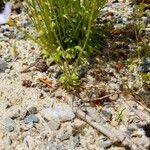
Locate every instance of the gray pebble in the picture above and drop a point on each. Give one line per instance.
(10, 124)
(2, 30)
(7, 57)
(92, 112)
(32, 110)
(30, 125)
(146, 19)
(31, 118)
(50, 146)
(59, 147)
(76, 140)
(20, 35)
(59, 113)
(105, 144)
(54, 124)
(23, 113)
(52, 95)
(3, 66)
(7, 70)
(26, 127)
(114, 86)
(132, 127)
(64, 136)
(119, 20)
(25, 23)
(107, 114)
(144, 65)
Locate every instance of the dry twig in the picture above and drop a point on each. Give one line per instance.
(45, 81)
(113, 133)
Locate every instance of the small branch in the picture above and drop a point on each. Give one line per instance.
(140, 101)
(113, 133)
(45, 81)
(103, 97)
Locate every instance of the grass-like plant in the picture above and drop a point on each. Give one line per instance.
(142, 41)
(66, 32)
(142, 47)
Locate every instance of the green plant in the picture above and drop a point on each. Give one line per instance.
(66, 32)
(119, 115)
(141, 42)
(13, 50)
(146, 77)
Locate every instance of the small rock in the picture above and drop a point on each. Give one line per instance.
(19, 35)
(142, 141)
(139, 107)
(138, 133)
(2, 30)
(76, 140)
(23, 113)
(54, 122)
(58, 93)
(59, 147)
(50, 145)
(144, 65)
(64, 136)
(8, 104)
(15, 114)
(25, 23)
(32, 110)
(7, 58)
(132, 127)
(26, 127)
(114, 86)
(31, 118)
(105, 144)
(30, 125)
(107, 114)
(10, 124)
(52, 95)
(7, 71)
(3, 66)
(61, 112)
(146, 19)
(92, 112)
(146, 129)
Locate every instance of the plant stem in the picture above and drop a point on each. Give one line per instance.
(87, 35)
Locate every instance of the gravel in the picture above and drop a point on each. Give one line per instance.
(41, 117)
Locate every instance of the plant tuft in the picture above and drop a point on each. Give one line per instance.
(66, 32)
